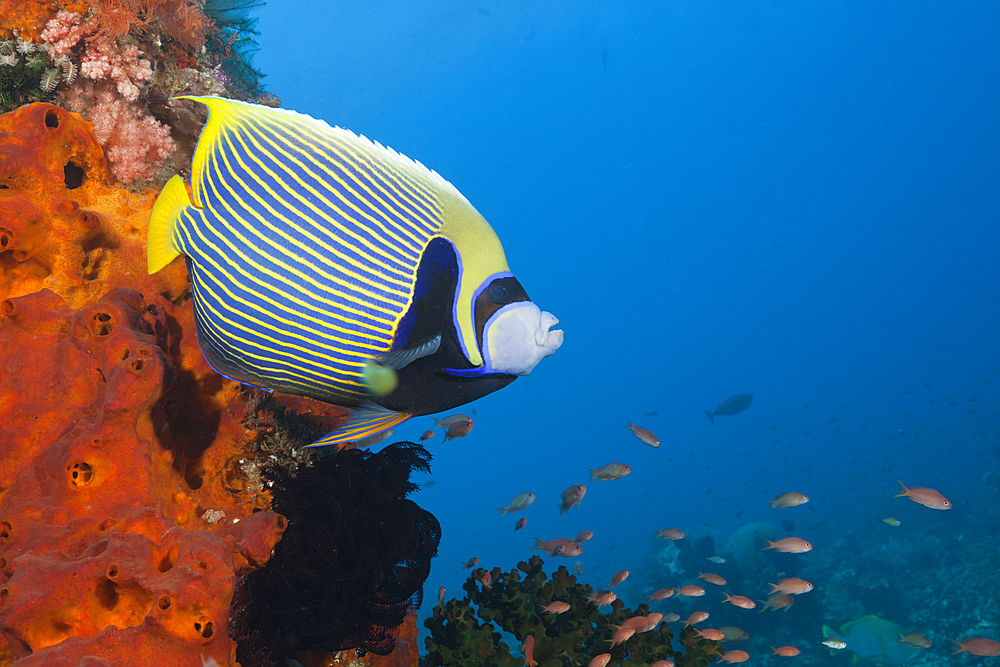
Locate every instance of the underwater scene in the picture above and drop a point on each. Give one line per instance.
(452, 333)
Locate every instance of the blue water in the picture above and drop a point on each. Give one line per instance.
(797, 200)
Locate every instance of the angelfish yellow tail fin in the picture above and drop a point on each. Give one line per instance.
(167, 210)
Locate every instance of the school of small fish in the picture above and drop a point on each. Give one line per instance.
(781, 595)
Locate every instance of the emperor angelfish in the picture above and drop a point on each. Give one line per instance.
(318, 258)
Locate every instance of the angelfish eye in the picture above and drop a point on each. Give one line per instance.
(498, 293)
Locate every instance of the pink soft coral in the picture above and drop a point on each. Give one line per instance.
(123, 66)
(101, 58)
(65, 30)
(135, 143)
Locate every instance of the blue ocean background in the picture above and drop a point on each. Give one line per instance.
(796, 200)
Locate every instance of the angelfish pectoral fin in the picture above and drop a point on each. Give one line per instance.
(403, 358)
(363, 422)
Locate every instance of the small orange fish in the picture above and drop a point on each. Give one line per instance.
(652, 620)
(644, 434)
(559, 546)
(789, 545)
(426, 435)
(978, 646)
(556, 607)
(663, 663)
(712, 633)
(521, 523)
(740, 601)
(596, 595)
(472, 563)
(662, 594)
(914, 639)
(786, 651)
(690, 591)
(735, 656)
(790, 499)
(457, 429)
(696, 617)
(605, 600)
(609, 472)
(791, 585)
(926, 497)
(487, 580)
(452, 420)
(571, 496)
(642, 623)
(441, 596)
(734, 634)
(618, 578)
(778, 601)
(712, 578)
(600, 660)
(528, 650)
(583, 536)
(670, 534)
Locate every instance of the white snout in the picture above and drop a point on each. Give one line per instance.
(518, 336)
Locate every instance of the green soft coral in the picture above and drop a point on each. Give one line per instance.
(514, 603)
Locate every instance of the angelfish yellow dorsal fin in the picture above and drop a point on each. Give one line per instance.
(167, 210)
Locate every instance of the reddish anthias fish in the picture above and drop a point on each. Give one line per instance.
(712, 633)
(521, 523)
(670, 534)
(644, 434)
(662, 594)
(791, 585)
(740, 601)
(600, 660)
(618, 578)
(735, 656)
(696, 617)
(529, 649)
(978, 646)
(690, 591)
(571, 496)
(778, 601)
(583, 536)
(790, 499)
(622, 634)
(785, 651)
(457, 429)
(789, 545)
(712, 578)
(610, 471)
(926, 497)
(559, 546)
(556, 607)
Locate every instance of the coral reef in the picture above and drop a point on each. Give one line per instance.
(111, 545)
(514, 601)
(133, 495)
(121, 63)
(63, 225)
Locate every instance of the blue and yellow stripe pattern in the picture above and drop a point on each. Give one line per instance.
(303, 243)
